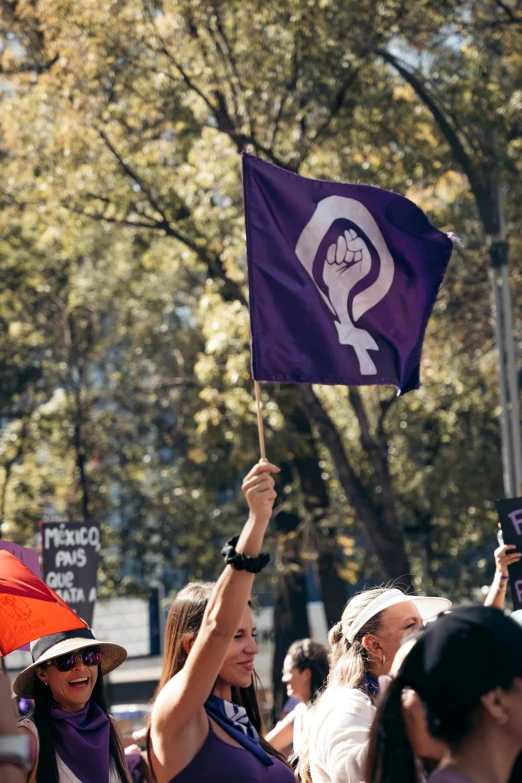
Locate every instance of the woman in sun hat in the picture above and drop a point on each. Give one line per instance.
(74, 738)
(467, 670)
(363, 645)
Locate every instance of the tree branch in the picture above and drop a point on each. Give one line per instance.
(385, 532)
(230, 290)
(235, 70)
(478, 186)
(288, 91)
(132, 174)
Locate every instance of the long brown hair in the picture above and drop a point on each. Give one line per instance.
(184, 619)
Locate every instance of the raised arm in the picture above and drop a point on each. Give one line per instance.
(504, 557)
(184, 695)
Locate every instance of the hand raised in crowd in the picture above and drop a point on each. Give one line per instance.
(258, 489)
(218, 639)
(504, 557)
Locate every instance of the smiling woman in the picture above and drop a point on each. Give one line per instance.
(364, 643)
(206, 724)
(73, 735)
(305, 671)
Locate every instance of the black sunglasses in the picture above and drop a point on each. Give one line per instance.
(90, 656)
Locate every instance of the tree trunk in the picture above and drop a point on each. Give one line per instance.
(81, 462)
(382, 524)
(290, 614)
(80, 338)
(317, 503)
(8, 469)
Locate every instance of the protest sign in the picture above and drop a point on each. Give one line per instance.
(29, 557)
(70, 562)
(510, 514)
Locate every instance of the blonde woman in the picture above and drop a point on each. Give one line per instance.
(363, 643)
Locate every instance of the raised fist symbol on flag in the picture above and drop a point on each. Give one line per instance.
(347, 262)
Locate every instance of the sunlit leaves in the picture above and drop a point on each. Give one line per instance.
(122, 210)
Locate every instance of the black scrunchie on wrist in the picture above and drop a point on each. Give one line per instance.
(242, 562)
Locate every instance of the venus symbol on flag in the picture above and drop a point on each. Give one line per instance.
(342, 279)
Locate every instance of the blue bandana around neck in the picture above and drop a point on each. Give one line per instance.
(235, 721)
(370, 685)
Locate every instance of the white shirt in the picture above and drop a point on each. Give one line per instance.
(339, 733)
(299, 714)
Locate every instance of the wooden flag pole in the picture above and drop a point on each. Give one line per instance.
(260, 430)
(257, 389)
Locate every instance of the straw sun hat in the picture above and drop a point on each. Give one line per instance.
(112, 655)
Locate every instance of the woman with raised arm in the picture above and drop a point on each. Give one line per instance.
(205, 724)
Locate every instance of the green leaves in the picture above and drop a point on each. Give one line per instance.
(124, 356)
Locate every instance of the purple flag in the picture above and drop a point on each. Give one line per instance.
(342, 280)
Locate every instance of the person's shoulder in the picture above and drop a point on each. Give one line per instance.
(448, 776)
(355, 696)
(29, 725)
(342, 707)
(346, 699)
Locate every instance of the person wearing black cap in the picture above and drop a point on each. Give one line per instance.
(467, 669)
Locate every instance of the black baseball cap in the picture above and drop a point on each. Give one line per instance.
(462, 656)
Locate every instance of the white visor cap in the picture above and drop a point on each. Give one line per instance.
(428, 608)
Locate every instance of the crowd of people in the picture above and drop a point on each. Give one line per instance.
(407, 692)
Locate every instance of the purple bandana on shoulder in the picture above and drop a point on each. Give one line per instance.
(370, 685)
(82, 741)
(235, 721)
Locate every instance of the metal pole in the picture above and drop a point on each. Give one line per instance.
(495, 278)
(161, 614)
(507, 366)
(509, 394)
(513, 403)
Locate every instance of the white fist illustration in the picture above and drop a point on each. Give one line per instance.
(350, 249)
(347, 262)
(353, 281)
